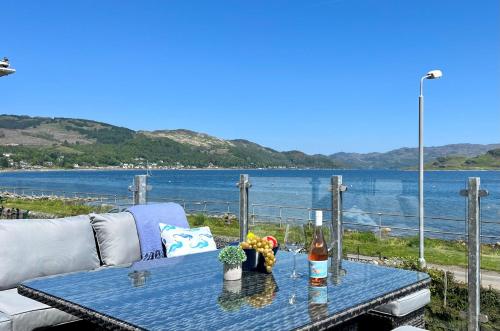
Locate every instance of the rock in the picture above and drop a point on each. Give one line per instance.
(222, 241)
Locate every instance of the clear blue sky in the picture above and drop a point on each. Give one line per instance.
(319, 76)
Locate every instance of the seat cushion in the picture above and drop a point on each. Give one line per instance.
(407, 304)
(5, 322)
(117, 238)
(27, 314)
(36, 248)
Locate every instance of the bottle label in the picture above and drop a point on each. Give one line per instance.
(318, 269)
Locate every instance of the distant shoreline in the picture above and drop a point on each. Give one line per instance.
(225, 169)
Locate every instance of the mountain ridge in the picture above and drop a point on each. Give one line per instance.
(407, 157)
(66, 142)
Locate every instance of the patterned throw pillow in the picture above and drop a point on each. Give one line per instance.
(181, 241)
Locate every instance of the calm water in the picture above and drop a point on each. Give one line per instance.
(369, 192)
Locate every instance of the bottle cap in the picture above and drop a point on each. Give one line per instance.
(319, 218)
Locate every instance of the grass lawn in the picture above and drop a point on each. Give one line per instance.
(59, 208)
(438, 251)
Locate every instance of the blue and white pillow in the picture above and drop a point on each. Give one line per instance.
(181, 241)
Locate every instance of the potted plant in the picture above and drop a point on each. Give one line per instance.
(232, 257)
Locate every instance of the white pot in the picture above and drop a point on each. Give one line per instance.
(232, 271)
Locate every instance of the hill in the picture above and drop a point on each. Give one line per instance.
(31, 142)
(489, 160)
(27, 142)
(404, 158)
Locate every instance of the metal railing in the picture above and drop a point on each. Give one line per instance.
(259, 212)
(61, 194)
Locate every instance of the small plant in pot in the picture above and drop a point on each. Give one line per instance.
(232, 257)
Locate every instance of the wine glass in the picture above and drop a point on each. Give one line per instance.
(295, 240)
(329, 238)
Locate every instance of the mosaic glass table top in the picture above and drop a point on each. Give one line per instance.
(189, 293)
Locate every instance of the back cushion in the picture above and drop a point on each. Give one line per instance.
(116, 237)
(36, 248)
(181, 241)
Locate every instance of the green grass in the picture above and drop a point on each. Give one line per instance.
(59, 208)
(218, 226)
(437, 251)
(489, 160)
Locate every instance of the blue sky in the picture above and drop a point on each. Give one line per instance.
(319, 76)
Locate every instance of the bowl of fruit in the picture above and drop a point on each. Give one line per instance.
(260, 252)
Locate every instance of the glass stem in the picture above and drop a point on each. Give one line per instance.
(294, 262)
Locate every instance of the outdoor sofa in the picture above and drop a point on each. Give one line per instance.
(46, 247)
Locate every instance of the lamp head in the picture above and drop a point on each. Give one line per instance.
(5, 67)
(433, 74)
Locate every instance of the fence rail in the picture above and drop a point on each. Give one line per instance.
(34, 192)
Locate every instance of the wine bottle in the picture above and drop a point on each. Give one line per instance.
(318, 255)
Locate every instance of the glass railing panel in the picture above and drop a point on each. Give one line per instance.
(203, 191)
(490, 251)
(381, 216)
(278, 199)
(209, 197)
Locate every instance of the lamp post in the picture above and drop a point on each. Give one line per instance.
(433, 74)
(5, 68)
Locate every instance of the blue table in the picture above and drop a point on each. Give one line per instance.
(188, 293)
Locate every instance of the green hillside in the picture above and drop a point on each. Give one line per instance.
(45, 142)
(27, 142)
(489, 160)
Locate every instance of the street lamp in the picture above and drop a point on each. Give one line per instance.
(433, 74)
(5, 68)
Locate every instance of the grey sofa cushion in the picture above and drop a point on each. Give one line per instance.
(35, 248)
(27, 314)
(117, 238)
(5, 322)
(407, 304)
